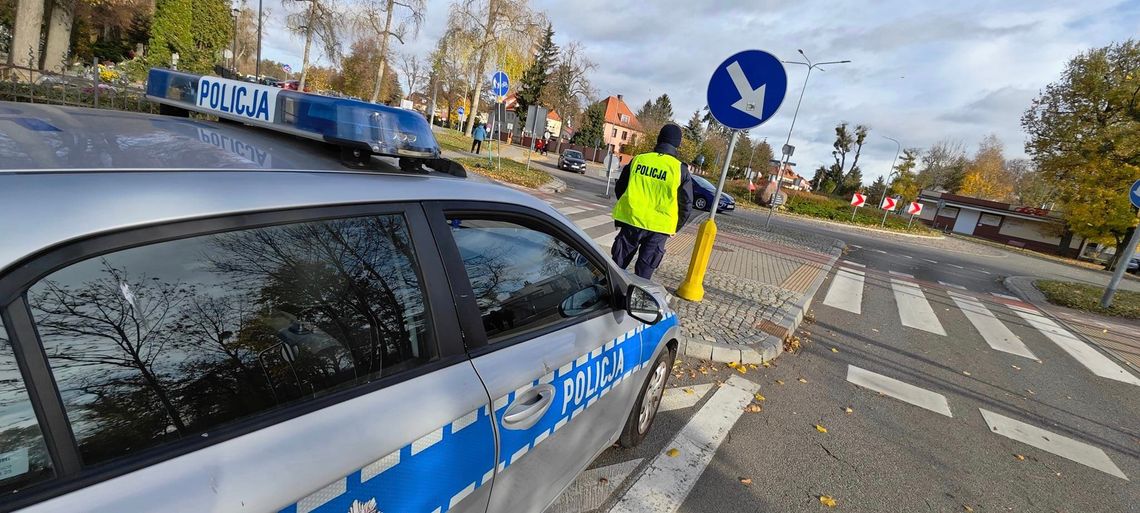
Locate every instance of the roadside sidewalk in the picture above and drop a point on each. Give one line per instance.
(758, 286)
(1118, 337)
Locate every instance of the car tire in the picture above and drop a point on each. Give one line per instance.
(644, 410)
(701, 204)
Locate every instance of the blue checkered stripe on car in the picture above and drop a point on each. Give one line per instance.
(443, 467)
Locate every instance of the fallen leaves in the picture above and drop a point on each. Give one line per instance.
(739, 368)
(753, 408)
(603, 481)
(967, 508)
(967, 373)
(673, 452)
(779, 382)
(820, 428)
(801, 380)
(834, 350)
(792, 344)
(759, 397)
(1015, 367)
(848, 410)
(1019, 457)
(746, 480)
(828, 501)
(765, 364)
(689, 391)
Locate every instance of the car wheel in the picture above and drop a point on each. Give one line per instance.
(701, 204)
(648, 401)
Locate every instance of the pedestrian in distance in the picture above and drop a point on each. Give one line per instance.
(477, 137)
(655, 195)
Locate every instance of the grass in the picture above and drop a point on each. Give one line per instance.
(1080, 296)
(453, 140)
(833, 209)
(512, 172)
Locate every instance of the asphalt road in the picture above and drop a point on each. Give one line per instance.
(960, 399)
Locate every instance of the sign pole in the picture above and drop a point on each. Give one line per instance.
(853, 211)
(909, 222)
(693, 287)
(1121, 265)
(885, 212)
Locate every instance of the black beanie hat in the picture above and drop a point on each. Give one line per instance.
(670, 134)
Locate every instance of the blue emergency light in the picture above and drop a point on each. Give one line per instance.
(359, 128)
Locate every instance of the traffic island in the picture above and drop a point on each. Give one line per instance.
(758, 286)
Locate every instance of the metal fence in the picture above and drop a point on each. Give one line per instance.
(81, 88)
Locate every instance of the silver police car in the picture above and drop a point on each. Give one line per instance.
(195, 318)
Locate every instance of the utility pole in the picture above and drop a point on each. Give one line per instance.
(257, 66)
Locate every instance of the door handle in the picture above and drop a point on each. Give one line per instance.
(529, 407)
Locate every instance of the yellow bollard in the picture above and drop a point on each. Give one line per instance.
(693, 288)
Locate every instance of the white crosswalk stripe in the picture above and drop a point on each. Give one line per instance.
(607, 240)
(1094, 360)
(597, 220)
(951, 285)
(904, 392)
(1064, 447)
(846, 291)
(914, 309)
(572, 210)
(996, 334)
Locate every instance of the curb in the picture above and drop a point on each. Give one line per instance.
(766, 346)
(554, 186)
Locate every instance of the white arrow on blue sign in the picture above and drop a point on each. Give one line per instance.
(747, 89)
(460, 111)
(1134, 194)
(500, 84)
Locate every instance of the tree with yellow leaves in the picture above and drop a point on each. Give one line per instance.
(1084, 134)
(986, 175)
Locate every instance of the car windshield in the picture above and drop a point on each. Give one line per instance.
(704, 184)
(572, 154)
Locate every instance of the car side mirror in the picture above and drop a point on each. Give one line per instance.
(643, 306)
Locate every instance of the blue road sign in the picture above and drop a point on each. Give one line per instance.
(500, 84)
(747, 89)
(460, 111)
(1134, 194)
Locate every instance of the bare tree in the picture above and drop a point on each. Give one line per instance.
(320, 20)
(377, 16)
(494, 21)
(413, 70)
(570, 85)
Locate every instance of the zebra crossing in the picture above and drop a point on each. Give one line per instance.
(592, 217)
(851, 285)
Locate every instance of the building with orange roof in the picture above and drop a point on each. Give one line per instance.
(621, 126)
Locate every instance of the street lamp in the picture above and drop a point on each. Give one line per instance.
(890, 173)
(233, 55)
(787, 149)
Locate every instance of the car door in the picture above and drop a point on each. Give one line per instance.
(298, 361)
(558, 357)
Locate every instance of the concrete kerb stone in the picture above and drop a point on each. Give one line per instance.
(764, 347)
(555, 186)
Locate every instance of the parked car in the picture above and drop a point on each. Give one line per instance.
(224, 318)
(572, 160)
(703, 192)
(1134, 264)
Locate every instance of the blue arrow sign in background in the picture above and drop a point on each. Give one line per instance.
(500, 84)
(747, 89)
(1134, 194)
(460, 111)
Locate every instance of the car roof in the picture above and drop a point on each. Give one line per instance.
(50, 197)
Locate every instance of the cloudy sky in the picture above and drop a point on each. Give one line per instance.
(920, 71)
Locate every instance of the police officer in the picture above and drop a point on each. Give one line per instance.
(655, 193)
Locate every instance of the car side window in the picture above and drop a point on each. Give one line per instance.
(171, 340)
(23, 455)
(525, 278)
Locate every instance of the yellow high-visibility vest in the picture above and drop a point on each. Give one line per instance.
(650, 199)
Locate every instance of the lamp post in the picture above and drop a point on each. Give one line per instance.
(233, 53)
(788, 149)
(890, 174)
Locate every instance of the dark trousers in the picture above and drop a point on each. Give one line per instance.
(649, 247)
(476, 145)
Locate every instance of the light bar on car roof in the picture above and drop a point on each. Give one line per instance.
(359, 128)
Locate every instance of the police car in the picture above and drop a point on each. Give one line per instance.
(217, 317)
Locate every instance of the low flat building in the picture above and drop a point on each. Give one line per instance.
(1016, 225)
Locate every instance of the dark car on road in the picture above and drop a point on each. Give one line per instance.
(1134, 264)
(703, 192)
(572, 160)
